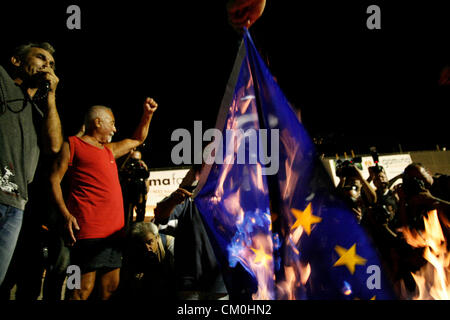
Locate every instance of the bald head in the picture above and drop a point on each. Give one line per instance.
(100, 123)
(93, 113)
(136, 155)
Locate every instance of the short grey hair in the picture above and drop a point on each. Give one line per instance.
(94, 112)
(139, 230)
(22, 50)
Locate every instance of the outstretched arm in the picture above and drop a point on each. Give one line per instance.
(165, 207)
(121, 148)
(394, 179)
(366, 188)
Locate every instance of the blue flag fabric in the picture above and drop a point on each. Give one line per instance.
(274, 212)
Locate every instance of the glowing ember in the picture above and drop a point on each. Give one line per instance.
(347, 289)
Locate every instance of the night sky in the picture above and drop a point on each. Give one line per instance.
(355, 87)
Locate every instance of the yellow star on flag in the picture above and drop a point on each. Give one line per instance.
(349, 258)
(261, 256)
(305, 218)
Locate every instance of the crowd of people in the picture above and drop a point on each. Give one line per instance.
(386, 209)
(80, 174)
(65, 201)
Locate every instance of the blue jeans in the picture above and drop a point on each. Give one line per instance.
(10, 224)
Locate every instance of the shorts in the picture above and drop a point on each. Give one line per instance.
(95, 254)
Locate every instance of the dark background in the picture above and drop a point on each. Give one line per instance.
(355, 87)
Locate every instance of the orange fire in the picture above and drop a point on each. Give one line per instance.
(296, 276)
(433, 279)
(260, 261)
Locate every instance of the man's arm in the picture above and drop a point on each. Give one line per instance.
(123, 147)
(341, 183)
(165, 207)
(366, 188)
(369, 191)
(427, 199)
(394, 179)
(51, 128)
(57, 173)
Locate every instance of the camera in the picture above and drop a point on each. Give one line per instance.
(376, 169)
(345, 168)
(374, 154)
(136, 170)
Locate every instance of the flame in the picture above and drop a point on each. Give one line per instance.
(252, 246)
(295, 276)
(232, 205)
(258, 180)
(288, 186)
(433, 279)
(260, 262)
(296, 273)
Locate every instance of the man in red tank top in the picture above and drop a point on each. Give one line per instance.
(93, 208)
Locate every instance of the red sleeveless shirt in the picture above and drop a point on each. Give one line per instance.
(95, 196)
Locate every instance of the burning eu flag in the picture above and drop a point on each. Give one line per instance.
(269, 206)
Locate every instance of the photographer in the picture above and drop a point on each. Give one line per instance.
(383, 220)
(354, 189)
(135, 184)
(422, 192)
(417, 196)
(384, 212)
(383, 217)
